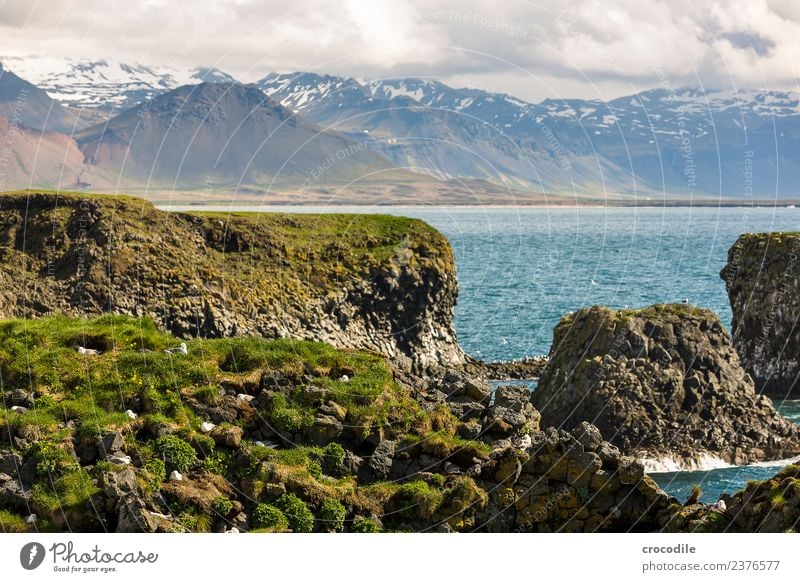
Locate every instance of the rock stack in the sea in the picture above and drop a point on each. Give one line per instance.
(763, 281)
(664, 384)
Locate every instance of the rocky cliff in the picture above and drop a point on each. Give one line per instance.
(763, 281)
(662, 383)
(276, 435)
(378, 283)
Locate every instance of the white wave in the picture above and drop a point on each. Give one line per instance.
(704, 462)
(671, 464)
(778, 463)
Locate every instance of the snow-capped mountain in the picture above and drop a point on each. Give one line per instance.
(685, 142)
(224, 132)
(105, 84)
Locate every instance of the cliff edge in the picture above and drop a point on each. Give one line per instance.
(379, 283)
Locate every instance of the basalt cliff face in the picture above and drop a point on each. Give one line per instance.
(763, 281)
(664, 384)
(377, 283)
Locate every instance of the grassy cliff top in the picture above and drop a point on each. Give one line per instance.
(282, 253)
(75, 398)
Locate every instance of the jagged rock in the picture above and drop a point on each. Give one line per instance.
(334, 409)
(22, 398)
(513, 397)
(466, 410)
(227, 436)
(660, 383)
(126, 499)
(352, 463)
(589, 436)
(325, 429)
(12, 494)
(762, 277)
(15, 466)
(478, 390)
(199, 492)
(379, 464)
(556, 485)
(109, 443)
(511, 413)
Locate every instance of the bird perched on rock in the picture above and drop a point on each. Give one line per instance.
(87, 351)
(181, 349)
(720, 505)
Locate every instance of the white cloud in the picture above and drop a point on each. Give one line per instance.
(581, 48)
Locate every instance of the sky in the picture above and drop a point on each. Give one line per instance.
(534, 50)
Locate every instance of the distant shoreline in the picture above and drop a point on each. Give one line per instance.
(246, 206)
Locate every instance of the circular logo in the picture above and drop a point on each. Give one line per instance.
(31, 555)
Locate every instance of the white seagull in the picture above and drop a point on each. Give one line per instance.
(181, 349)
(87, 351)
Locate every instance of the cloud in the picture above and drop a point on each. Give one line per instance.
(551, 48)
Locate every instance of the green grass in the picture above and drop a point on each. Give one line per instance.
(71, 490)
(92, 393)
(11, 523)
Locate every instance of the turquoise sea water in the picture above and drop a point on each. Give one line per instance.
(521, 269)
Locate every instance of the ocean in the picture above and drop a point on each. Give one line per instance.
(520, 269)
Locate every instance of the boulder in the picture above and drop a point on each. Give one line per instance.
(125, 499)
(379, 465)
(227, 436)
(325, 429)
(109, 442)
(12, 494)
(478, 390)
(659, 383)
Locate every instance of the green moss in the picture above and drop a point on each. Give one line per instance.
(177, 453)
(365, 525)
(219, 463)
(94, 391)
(300, 518)
(157, 472)
(50, 458)
(194, 519)
(12, 523)
(71, 490)
(331, 515)
(418, 499)
(222, 506)
(285, 415)
(333, 456)
(269, 517)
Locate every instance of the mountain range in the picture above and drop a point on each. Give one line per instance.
(167, 127)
